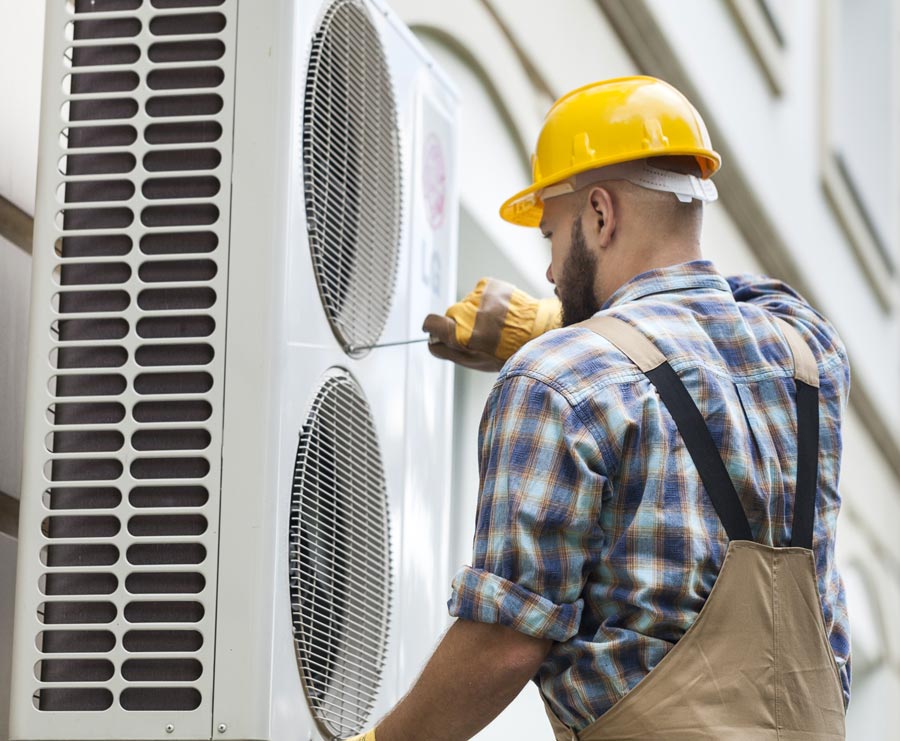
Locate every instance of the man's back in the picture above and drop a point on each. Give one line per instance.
(593, 526)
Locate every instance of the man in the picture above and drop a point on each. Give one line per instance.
(655, 532)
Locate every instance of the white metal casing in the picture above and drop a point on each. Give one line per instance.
(410, 394)
(277, 345)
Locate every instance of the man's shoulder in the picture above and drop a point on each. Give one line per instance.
(570, 359)
(761, 297)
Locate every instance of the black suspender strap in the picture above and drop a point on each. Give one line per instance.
(697, 438)
(806, 377)
(703, 450)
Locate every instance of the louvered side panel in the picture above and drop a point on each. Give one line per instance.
(115, 608)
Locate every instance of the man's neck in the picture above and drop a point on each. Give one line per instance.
(610, 280)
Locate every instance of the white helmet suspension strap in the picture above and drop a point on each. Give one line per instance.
(639, 172)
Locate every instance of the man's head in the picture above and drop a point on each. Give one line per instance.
(608, 231)
(604, 186)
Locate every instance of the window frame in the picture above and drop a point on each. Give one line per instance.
(766, 39)
(879, 262)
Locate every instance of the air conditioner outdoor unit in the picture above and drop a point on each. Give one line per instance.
(235, 494)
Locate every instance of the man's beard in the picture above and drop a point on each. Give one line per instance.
(579, 301)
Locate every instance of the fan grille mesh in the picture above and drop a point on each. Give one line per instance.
(339, 558)
(352, 176)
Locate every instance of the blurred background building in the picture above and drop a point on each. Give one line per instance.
(802, 99)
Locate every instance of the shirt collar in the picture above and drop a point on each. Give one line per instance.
(681, 277)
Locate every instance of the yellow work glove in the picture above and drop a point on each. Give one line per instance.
(490, 324)
(367, 736)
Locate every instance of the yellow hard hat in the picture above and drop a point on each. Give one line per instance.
(609, 122)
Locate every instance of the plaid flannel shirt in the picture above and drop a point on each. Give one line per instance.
(593, 528)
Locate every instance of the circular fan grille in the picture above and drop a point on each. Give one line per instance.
(352, 176)
(340, 558)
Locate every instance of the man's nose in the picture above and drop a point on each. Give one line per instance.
(550, 274)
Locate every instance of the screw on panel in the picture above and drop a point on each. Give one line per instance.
(222, 727)
(170, 728)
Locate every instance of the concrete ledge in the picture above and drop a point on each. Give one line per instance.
(16, 225)
(9, 515)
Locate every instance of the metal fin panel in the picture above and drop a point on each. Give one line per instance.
(118, 544)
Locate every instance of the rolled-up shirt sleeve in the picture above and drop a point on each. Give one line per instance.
(537, 530)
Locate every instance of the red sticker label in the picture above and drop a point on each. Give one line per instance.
(434, 180)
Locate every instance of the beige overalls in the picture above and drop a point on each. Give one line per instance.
(756, 664)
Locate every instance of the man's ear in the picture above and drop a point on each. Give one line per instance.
(600, 216)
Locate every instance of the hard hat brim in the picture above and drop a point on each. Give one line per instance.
(526, 208)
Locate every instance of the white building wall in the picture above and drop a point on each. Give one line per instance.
(510, 59)
(15, 292)
(21, 40)
(7, 589)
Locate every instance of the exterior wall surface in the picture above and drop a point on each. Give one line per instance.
(21, 41)
(7, 589)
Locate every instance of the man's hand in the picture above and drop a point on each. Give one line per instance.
(489, 325)
(368, 736)
(475, 672)
(443, 344)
